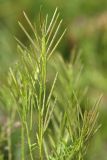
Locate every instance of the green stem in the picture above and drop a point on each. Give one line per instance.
(42, 94)
(40, 137)
(29, 141)
(22, 143)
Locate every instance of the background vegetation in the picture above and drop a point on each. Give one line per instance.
(86, 36)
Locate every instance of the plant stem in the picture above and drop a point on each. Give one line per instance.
(42, 94)
(29, 141)
(22, 142)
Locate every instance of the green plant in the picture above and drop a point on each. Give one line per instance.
(52, 122)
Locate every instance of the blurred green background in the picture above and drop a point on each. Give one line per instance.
(87, 32)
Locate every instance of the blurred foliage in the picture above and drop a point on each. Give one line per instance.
(87, 33)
